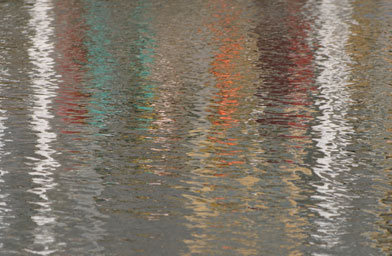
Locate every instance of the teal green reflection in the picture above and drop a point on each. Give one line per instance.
(101, 63)
(145, 47)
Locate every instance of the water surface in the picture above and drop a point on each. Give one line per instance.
(211, 127)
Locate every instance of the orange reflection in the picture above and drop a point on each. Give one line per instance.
(227, 37)
(219, 153)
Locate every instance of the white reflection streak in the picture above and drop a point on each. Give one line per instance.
(3, 205)
(333, 130)
(40, 56)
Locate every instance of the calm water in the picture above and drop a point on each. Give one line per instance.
(204, 127)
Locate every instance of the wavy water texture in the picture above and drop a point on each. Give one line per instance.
(205, 127)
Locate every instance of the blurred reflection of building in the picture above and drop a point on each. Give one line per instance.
(101, 64)
(287, 70)
(370, 48)
(71, 100)
(80, 54)
(222, 175)
(70, 34)
(384, 239)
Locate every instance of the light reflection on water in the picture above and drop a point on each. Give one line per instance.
(40, 54)
(220, 127)
(332, 132)
(4, 208)
(218, 153)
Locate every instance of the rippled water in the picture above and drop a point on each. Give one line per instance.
(206, 127)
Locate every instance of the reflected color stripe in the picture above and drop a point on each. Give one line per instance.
(40, 54)
(4, 208)
(333, 129)
(100, 62)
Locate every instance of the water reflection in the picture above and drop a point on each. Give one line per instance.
(384, 238)
(223, 175)
(286, 94)
(220, 127)
(43, 86)
(101, 63)
(145, 44)
(71, 102)
(4, 207)
(371, 118)
(82, 108)
(70, 33)
(331, 134)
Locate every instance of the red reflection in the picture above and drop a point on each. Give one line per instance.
(228, 79)
(287, 57)
(69, 32)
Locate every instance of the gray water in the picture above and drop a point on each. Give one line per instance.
(204, 127)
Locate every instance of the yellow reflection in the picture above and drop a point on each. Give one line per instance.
(218, 153)
(371, 73)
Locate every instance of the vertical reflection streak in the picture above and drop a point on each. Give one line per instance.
(3, 204)
(42, 84)
(100, 62)
(370, 48)
(69, 34)
(286, 59)
(222, 175)
(145, 59)
(332, 132)
(87, 112)
(4, 208)
(383, 240)
(298, 114)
